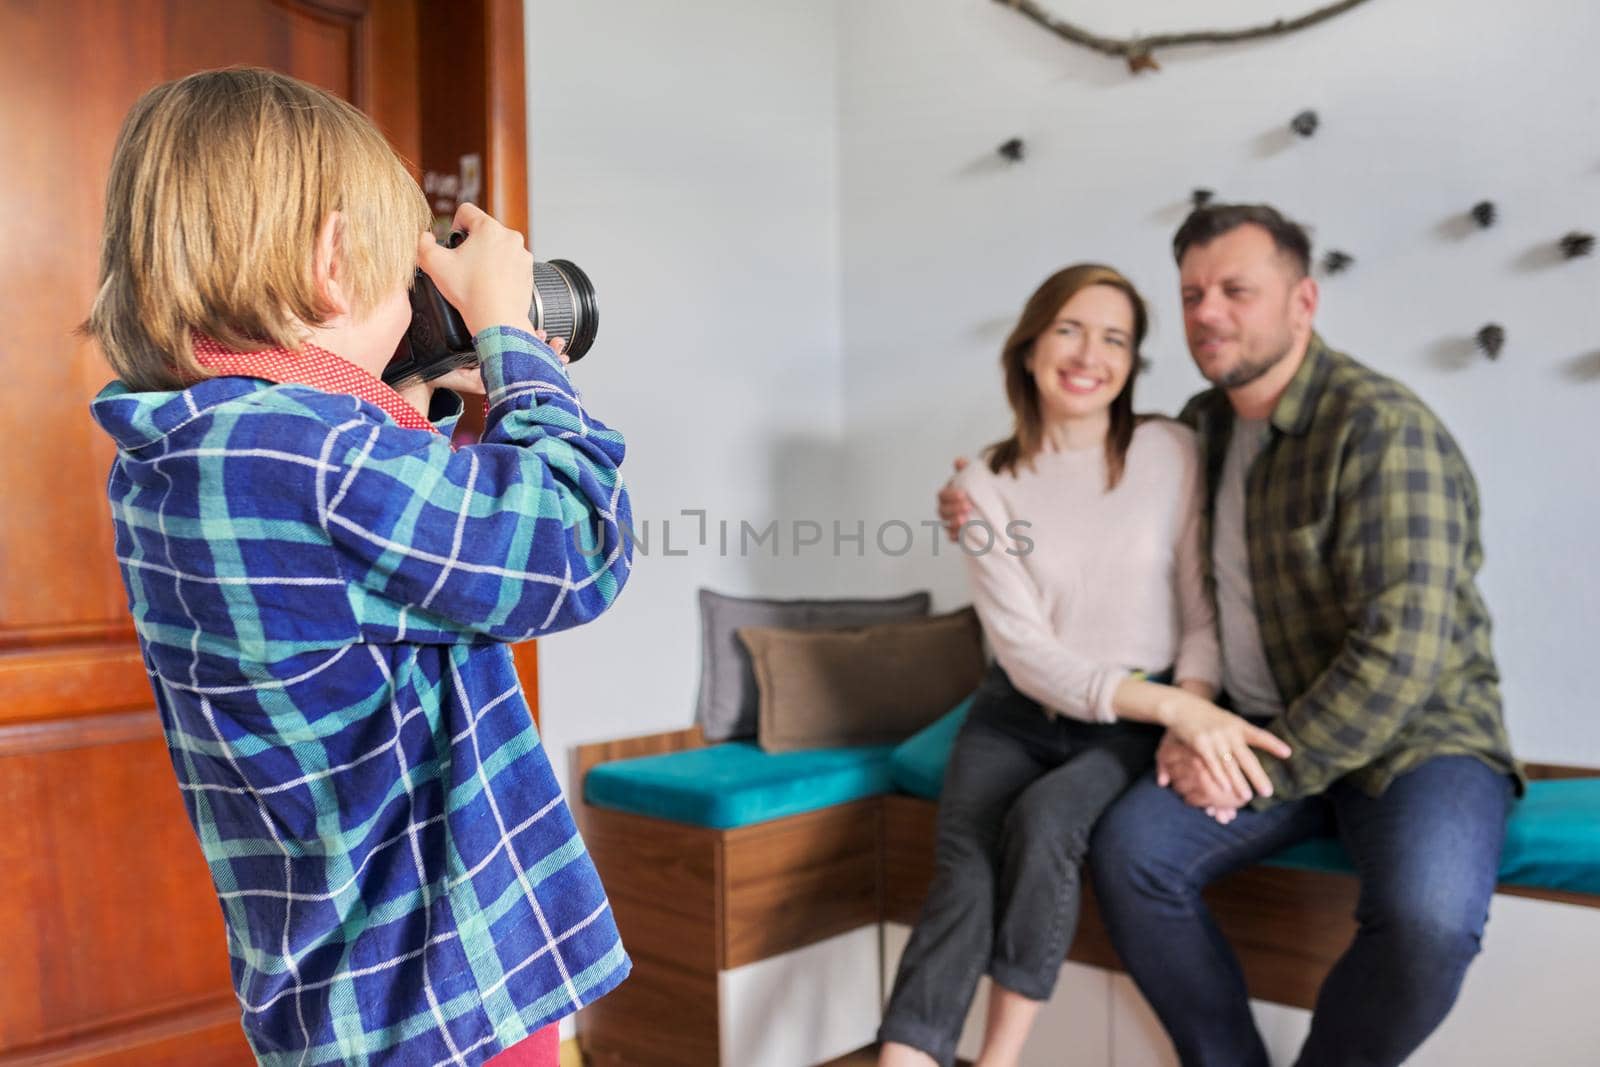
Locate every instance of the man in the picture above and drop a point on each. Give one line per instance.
(1344, 545)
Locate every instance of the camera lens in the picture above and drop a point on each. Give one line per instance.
(438, 340)
(564, 305)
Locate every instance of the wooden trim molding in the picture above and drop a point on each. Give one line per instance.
(209, 1028)
(71, 681)
(31, 738)
(1546, 771)
(506, 103)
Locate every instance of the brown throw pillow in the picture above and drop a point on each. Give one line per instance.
(870, 685)
(728, 695)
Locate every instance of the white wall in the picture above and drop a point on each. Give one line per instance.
(807, 253)
(685, 155)
(1427, 107)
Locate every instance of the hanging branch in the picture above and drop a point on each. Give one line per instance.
(1139, 51)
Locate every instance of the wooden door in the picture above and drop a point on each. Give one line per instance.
(112, 948)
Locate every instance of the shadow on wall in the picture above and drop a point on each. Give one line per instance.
(1584, 368)
(1540, 257)
(836, 538)
(822, 535)
(787, 551)
(1454, 353)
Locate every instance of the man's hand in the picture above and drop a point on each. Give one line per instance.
(954, 506)
(1223, 741)
(1183, 770)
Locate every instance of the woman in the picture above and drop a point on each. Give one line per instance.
(1092, 608)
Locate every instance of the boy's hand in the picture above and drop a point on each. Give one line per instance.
(488, 277)
(468, 381)
(559, 346)
(463, 381)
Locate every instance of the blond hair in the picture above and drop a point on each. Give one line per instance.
(219, 185)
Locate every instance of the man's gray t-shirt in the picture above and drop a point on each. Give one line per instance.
(1245, 674)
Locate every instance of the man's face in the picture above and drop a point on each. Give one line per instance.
(1244, 307)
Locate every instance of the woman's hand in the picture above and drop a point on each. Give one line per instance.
(1223, 742)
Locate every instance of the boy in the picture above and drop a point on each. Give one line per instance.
(322, 587)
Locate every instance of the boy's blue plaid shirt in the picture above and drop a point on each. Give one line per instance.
(322, 597)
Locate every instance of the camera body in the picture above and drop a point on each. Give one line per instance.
(437, 342)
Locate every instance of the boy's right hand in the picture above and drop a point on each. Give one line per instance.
(955, 508)
(488, 277)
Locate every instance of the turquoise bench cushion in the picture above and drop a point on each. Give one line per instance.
(918, 762)
(1552, 838)
(737, 784)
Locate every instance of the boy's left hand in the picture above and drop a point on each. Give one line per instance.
(464, 381)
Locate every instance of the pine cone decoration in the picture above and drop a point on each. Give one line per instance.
(1577, 244)
(1337, 262)
(1142, 61)
(1483, 213)
(1305, 123)
(1491, 339)
(1013, 150)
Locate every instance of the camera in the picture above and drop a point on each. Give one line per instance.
(437, 341)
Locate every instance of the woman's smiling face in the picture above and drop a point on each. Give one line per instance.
(1083, 358)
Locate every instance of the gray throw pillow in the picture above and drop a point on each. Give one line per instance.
(728, 697)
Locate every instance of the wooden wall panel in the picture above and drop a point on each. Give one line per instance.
(108, 915)
(114, 951)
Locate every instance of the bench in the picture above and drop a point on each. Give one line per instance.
(766, 911)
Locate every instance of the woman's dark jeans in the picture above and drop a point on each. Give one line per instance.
(1021, 795)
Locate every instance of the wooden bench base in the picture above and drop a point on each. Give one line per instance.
(694, 904)
(1288, 926)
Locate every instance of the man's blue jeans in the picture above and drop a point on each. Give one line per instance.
(1426, 853)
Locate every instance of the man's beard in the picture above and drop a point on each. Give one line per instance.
(1248, 370)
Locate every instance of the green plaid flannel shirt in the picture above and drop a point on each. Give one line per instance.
(1362, 523)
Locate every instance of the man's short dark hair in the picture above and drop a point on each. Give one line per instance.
(1206, 224)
